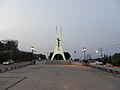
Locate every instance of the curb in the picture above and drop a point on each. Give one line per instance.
(106, 69)
(14, 67)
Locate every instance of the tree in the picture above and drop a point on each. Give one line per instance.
(2, 46)
(4, 56)
(67, 55)
(42, 56)
(12, 44)
(115, 59)
(50, 56)
(7, 47)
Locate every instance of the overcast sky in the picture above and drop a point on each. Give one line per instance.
(86, 23)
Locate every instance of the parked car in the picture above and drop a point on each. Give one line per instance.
(96, 63)
(8, 62)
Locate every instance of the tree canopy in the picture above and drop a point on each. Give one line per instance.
(9, 50)
(115, 59)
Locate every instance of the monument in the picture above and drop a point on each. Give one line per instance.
(58, 45)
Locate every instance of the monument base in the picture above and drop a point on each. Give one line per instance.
(58, 62)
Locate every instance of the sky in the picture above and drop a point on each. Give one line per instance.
(86, 23)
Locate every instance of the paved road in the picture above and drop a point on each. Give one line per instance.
(58, 77)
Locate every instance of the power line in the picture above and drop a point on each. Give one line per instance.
(111, 45)
(114, 46)
(110, 48)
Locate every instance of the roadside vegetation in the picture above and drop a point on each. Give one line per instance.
(114, 60)
(9, 50)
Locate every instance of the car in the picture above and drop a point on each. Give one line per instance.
(8, 62)
(96, 63)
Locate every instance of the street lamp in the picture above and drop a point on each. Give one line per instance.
(75, 54)
(70, 56)
(84, 50)
(96, 51)
(41, 51)
(101, 52)
(33, 50)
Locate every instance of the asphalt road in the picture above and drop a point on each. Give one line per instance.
(58, 77)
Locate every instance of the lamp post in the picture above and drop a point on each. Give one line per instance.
(70, 56)
(75, 54)
(33, 50)
(41, 52)
(84, 50)
(101, 52)
(47, 55)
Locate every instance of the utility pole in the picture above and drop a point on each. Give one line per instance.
(75, 54)
(47, 55)
(84, 50)
(101, 51)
